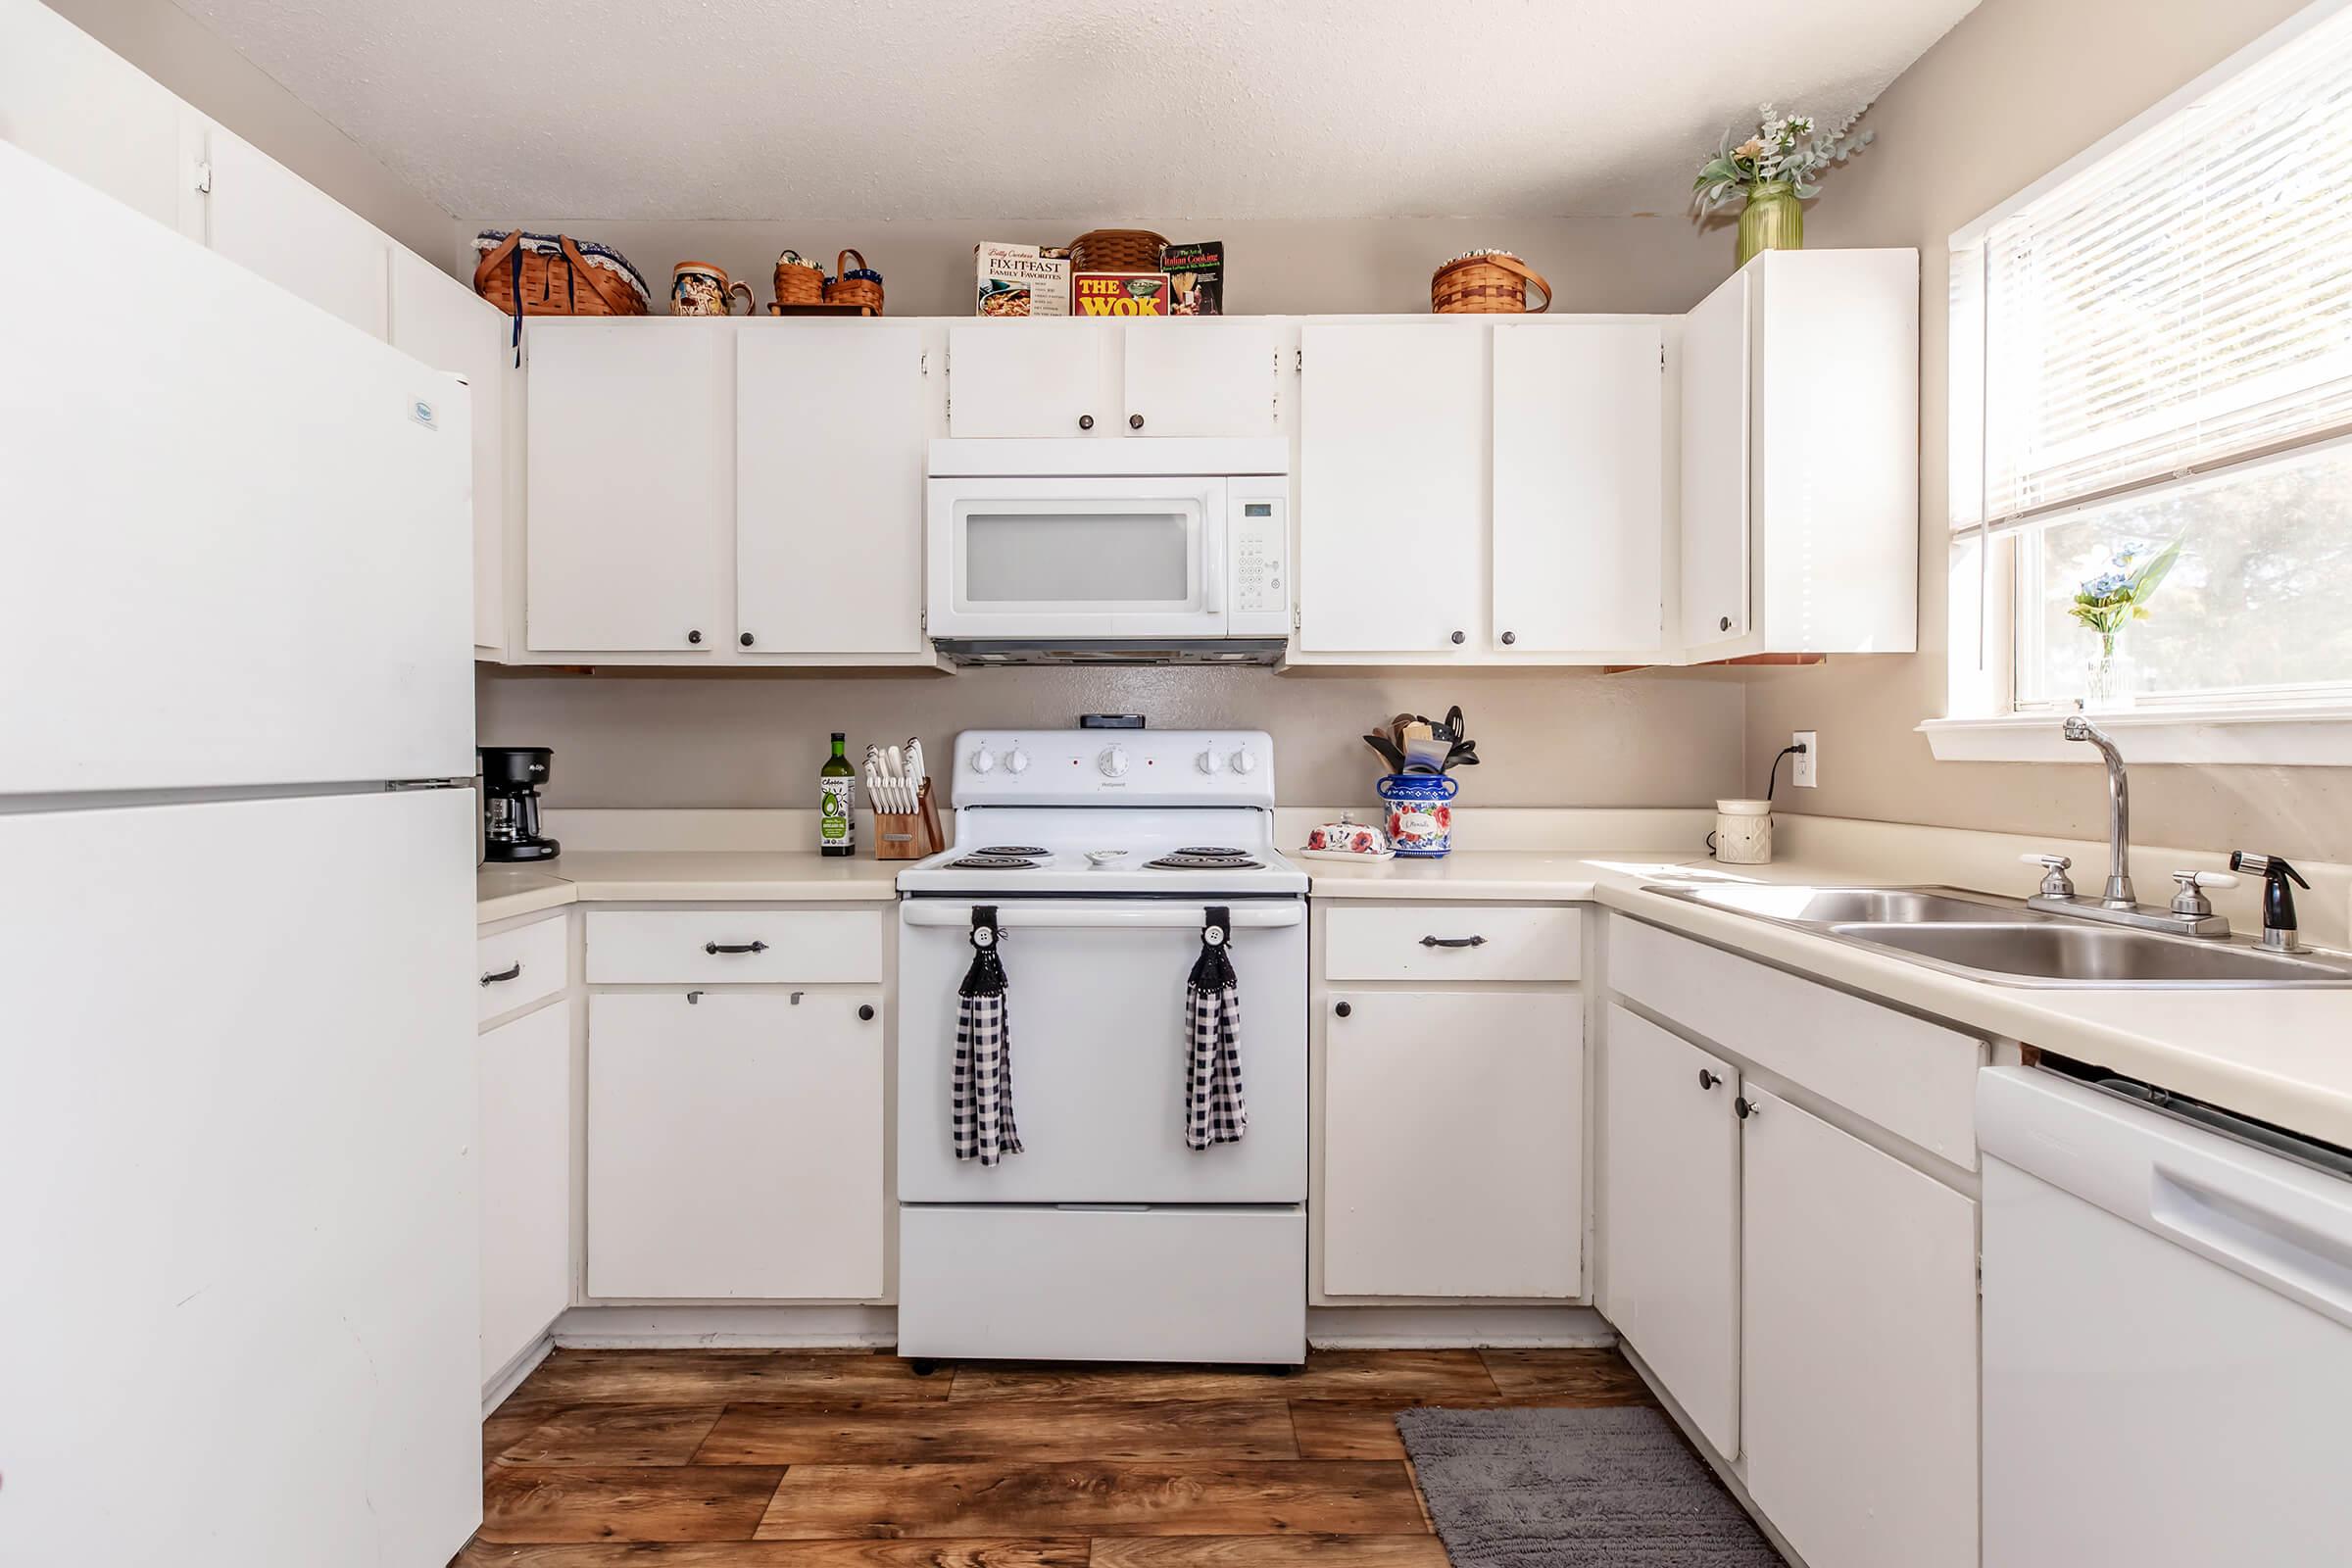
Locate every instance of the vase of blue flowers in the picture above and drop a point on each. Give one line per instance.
(2109, 604)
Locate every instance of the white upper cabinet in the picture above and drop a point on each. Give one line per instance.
(1800, 457)
(1715, 496)
(1670, 1217)
(69, 101)
(1393, 488)
(440, 321)
(1201, 376)
(264, 217)
(1030, 378)
(1580, 506)
(1858, 1362)
(831, 421)
(628, 536)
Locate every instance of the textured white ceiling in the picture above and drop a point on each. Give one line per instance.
(1070, 108)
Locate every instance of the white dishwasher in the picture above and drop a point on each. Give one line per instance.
(2168, 1331)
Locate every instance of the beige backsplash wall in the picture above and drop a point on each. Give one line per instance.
(2016, 89)
(1545, 739)
(1273, 266)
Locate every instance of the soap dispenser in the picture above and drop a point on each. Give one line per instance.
(2277, 898)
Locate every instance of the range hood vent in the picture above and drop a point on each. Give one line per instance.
(983, 652)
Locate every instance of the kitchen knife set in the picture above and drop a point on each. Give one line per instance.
(895, 776)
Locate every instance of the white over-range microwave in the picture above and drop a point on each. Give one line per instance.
(1130, 551)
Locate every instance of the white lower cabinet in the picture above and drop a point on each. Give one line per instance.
(1858, 1348)
(1670, 1210)
(1452, 1143)
(525, 1179)
(735, 1145)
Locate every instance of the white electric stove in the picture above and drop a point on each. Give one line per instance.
(1102, 855)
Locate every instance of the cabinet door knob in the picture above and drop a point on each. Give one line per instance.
(1510, 637)
(1134, 422)
(865, 1013)
(1745, 1106)
(693, 636)
(1457, 637)
(745, 639)
(1707, 1080)
(1344, 1009)
(1725, 625)
(1086, 421)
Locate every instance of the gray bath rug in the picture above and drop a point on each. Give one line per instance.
(1574, 1488)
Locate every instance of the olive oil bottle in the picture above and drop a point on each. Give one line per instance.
(836, 827)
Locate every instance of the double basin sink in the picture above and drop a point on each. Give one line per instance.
(2003, 942)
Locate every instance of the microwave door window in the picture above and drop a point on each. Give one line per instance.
(1095, 559)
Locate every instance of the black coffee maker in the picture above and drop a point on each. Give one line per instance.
(511, 780)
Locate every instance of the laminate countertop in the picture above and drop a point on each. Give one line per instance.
(691, 876)
(2285, 1056)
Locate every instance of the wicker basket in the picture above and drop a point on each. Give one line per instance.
(1486, 283)
(1116, 250)
(858, 285)
(797, 282)
(533, 280)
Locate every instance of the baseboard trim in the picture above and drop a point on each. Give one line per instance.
(1438, 1328)
(750, 1328)
(509, 1380)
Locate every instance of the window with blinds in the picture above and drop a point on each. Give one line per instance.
(2154, 348)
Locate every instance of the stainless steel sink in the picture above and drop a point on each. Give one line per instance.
(2001, 941)
(2058, 951)
(1803, 905)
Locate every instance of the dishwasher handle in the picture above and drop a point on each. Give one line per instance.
(2235, 1219)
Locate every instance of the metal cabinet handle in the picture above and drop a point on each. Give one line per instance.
(1745, 1106)
(745, 639)
(1707, 1080)
(1454, 941)
(734, 947)
(1134, 422)
(1510, 637)
(503, 975)
(1725, 625)
(1086, 421)
(1345, 1009)
(693, 636)
(1457, 637)
(865, 1013)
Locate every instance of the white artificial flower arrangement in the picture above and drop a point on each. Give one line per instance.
(1785, 147)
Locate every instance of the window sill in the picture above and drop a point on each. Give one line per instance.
(2317, 735)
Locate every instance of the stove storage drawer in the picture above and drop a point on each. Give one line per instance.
(1430, 942)
(1104, 1284)
(734, 947)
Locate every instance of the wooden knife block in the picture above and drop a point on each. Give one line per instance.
(910, 835)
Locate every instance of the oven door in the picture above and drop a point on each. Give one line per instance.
(1076, 558)
(1095, 1001)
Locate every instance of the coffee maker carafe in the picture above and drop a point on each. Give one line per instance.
(511, 780)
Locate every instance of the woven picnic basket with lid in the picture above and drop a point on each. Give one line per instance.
(1486, 283)
(555, 274)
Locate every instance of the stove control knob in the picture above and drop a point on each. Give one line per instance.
(1245, 762)
(1211, 761)
(982, 760)
(1016, 761)
(1113, 762)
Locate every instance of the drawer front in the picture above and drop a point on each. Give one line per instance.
(1453, 941)
(1913, 1078)
(734, 947)
(516, 967)
(1009, 1281)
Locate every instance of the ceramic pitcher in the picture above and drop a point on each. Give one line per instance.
(699, 288)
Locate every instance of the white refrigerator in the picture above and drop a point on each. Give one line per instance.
(238, 1264)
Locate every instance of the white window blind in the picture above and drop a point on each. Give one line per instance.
(2182, 303)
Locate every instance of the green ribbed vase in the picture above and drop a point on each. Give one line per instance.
(1772, 221)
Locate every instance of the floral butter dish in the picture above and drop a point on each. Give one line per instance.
(1348, 840)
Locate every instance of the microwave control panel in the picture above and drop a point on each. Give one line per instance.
(1259, 539)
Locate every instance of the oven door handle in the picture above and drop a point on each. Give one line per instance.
(1172, 914)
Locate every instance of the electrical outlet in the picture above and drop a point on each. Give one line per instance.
(1802, 766)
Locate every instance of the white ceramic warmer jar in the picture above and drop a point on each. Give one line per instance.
(1743, 833)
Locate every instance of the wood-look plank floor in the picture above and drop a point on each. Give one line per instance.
(760, 1460)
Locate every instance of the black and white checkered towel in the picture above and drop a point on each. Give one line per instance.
(983, 1100)
(1214, 1111)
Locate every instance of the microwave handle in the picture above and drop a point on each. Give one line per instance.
(1213, 562)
